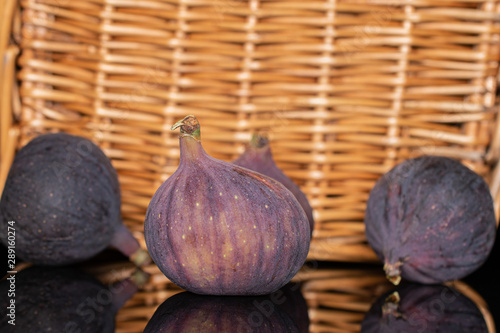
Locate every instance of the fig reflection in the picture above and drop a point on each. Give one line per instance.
(424, 308)
(63, 299)
(282, 311)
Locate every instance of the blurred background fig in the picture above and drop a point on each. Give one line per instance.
(216, 228)
(62, 198)
(63, 299)
(259, 157)
(416, 307)
(430, 220)
(188, 312)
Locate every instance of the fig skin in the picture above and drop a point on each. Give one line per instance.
(216, 228)
(424, 308)
(188, 312)
(430, 220)
(259, 157)
(63, 195)
(63, 299)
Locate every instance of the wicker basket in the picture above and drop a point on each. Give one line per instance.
(346, 89)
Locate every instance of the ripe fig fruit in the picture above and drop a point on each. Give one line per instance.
(423, 308)
(259, 157)
(430, 219)
(62, 299)
(188, 312)
(62, 201)
(216, 228)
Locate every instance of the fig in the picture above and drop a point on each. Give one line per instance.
(259, 157)
(61, 203)
(189, 312)
(430, 219)
(216, 228)
(62, 299)
(423, 308)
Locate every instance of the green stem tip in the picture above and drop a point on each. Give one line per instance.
(140, 278)
(189, 127)
(259, 140)
(141, 258)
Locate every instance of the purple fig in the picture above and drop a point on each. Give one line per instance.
(424, 308)
(216, 228)
(259, 157)
(430, 220)
(61, 203)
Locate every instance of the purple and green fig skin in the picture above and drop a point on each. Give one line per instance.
(259, 157)
(430, 220)
(216, 228)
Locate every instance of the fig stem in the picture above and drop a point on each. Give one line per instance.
(141, 258)
(123, 290)
(391, 306)
(189, 127)
(140, 278)
(259, 140)
(393, 272)
(126, 243)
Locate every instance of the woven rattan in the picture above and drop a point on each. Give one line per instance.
(345, 90)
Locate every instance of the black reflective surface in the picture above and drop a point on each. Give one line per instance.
(323, 297)
(415, 307)
(62, 299)
(282, 311)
